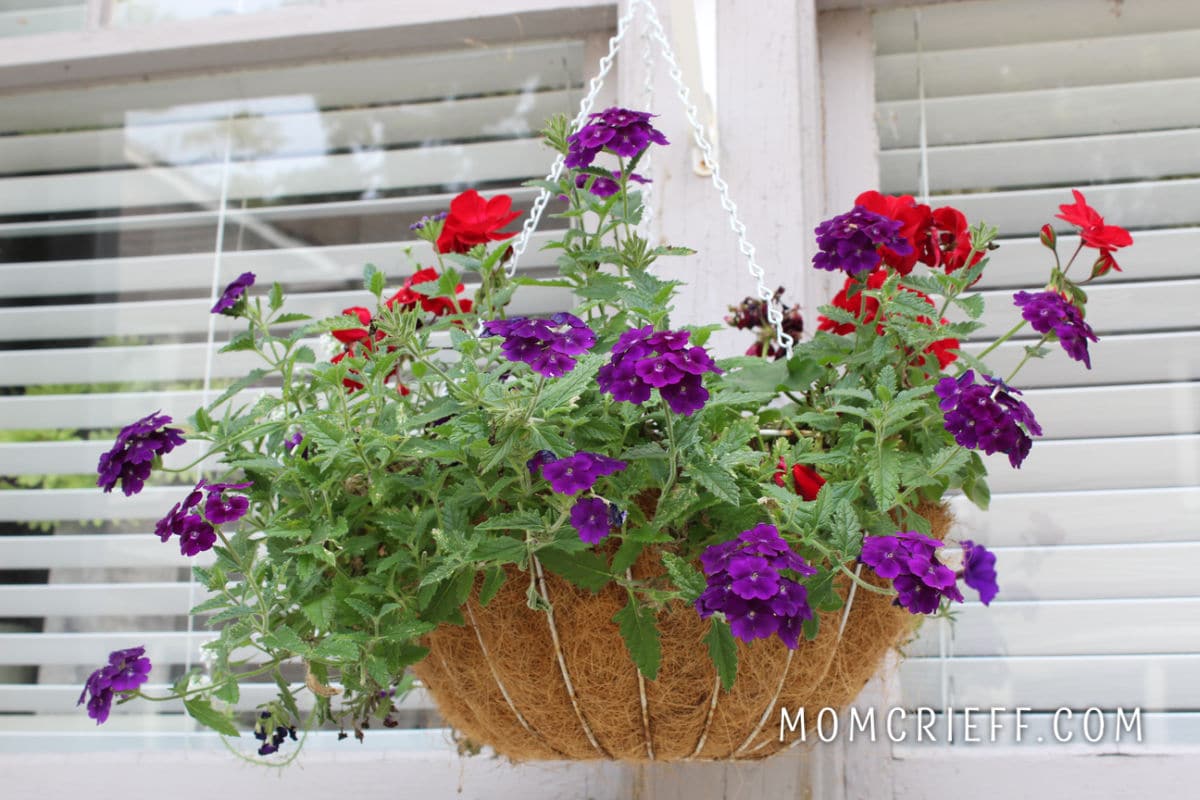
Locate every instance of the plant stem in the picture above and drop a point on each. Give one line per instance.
(1028, 355)
(672, 457)
(1003, 338)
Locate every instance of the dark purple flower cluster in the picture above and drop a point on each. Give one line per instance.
(293, 441)
(132, 456)
(987, 416)
(126, 670)
(228, 302)
(548, 346)
(278, 736)
(746, 583)
(593, 517)
(426, 220)
(195, 531)
(850, 242)
(979, 570)
(1050, 312)
(644, 358)
(621, 131)
(605, 187)
(909, 560)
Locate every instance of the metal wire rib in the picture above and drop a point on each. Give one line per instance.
(642, 695)
(562, 662)
(774, 315)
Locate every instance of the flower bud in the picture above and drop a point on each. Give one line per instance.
(1049, 237)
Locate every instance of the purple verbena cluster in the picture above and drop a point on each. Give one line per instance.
(227, 303)
(850, 242)
(987, 416)
(427, 219)
(293, 441)
(548, 346)
(195, 531)
(909, 560)
(643, 359)
(746, 583)
(1050, 312)
(979, 570)
(592, 517)
(277, 736)
(619, 130)
(605, 187)
(132, 456)
(126, 670)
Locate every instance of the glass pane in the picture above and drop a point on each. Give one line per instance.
(28, 17)
(132, 13)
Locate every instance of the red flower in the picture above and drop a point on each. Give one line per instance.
(440, 306)
(951, 238)
(941, 348)
(473, 221)
(1094, 232)
(918, 222)
(354, 338)
(807, 482)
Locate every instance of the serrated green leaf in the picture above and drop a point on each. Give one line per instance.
(640, 632)
(203, 712)
(276, 297)
(685, 577)
(337, 648)
(500, 550)
(320, 611)
(716, 480)
(492, 581)
(513, 521)
(584, 569)
(883, 476)
(722, 649)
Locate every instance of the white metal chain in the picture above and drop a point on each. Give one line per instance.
(774, 315)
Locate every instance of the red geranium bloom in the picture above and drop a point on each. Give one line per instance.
(354, 338)
(473, 221)
(951, 238)
(806, 479)
(440, 306)
(917, 224)
(1094, 232)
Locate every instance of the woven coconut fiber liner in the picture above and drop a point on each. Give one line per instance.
(502, 681)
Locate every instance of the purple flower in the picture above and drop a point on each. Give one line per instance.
(278, 736)
(131, 458)
(293, 441)
(987, 416)
(579, 472)
(540, 459)
(621, 131)
(603, 186)
(979, 570)
(1050, 312)
(228, 302)
(909, 560)
(548, 346)
(850, 242)
(218, 510)
(126, 671)
(425, 220)
(644, 359)
(589, 516)
(746, 583)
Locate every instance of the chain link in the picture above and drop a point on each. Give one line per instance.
(656, 31)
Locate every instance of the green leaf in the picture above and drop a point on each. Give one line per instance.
(492, 581)
(972, 304)
(284, 638)
(586, 569)
(374, 281)
(227, 692)
(251, 378)
(242, 341)
(685, 577)
(337, 648)
(500, 549)
(284, 319)
(276, 298)
(448, 597)
(640, 633)
(884, 475)
(811, 627)
(513, 521)
(202, 711)
(716, 480)
(320, 611)
(722, 649)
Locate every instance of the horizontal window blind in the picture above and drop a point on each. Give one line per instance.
(31, 17)
(999, 109)
(122, 209)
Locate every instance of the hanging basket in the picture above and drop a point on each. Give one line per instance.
(502, 680)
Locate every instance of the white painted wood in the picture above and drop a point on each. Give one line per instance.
(273, 178)
(34, 21)
(84, 648)
(86, 504)
(1138, 358)
(1140, 410)
(100, 410)
(91, 551)
(183, 317)
(100, 599)
(76, 458)
(1019, 66)
(364, 27)
(516, 115)
(1151, 682)
(1139, 155)
(942, 25)
(1134, 462)
(1058, 628)
(428, 766)
(165, 363)
(1104, 516)
(1111, 308)
(1081, 110)
(1153, 255)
